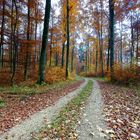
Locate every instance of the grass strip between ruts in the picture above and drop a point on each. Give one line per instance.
(64, 126)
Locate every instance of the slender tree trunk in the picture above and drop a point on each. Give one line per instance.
(15, 51)
(68, 41)
(96, 67)
(51, 46)
(35, 53)
(121, 46)
(36, 26)
(132, 40)
(108, 58)
(72, 60)
(108, 52)
(137, 51)
(63, 54)
(88, 57)
(101, 40)
(42, 62)
(86, 61)
(137, 38)
(111, 36)
(2, 33)
(56, 59)
(11, 45)
(28, 39)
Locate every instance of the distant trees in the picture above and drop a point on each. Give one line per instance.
(106, 39)
(113, 31)
(19, 38)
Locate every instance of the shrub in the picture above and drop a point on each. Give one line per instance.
(55, 74)
(125, 75)
(2, 103)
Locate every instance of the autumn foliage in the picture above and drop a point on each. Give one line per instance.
(125, 75)
(55, 74)
(89, 22)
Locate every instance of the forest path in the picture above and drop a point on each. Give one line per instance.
(34, 123)
(92, 123)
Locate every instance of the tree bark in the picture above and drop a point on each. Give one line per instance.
(72, 60)
(96, 67)
(2, 33)
(42, 62)
(28, 39)
(101, 40)
(132, 40)
(15, 51)
(68, 42)
(111, 36)
(121, 46)
(63, 54)
(51, 44)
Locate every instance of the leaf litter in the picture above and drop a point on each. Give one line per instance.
(19, 108)
(121, 111)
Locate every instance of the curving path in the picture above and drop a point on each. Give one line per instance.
(24, 130)
(91, 126)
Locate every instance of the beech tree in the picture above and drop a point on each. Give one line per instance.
(42, 62)
(111, 35)
(68, 39)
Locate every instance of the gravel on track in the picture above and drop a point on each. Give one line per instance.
(92, 122)
(34, 123)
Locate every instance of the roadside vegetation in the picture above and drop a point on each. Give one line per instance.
(28, 89)
(18, 103)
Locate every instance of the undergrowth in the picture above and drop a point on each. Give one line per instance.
(2, 103)
(35, 88)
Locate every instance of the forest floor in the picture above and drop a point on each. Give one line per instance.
(15, 106)
(122, 110)
(110, 112)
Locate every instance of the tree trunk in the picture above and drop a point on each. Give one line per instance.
(28, 39)
(72, 60)
(63, 54)
(96, 67)
(121, 46)
(68, 41)
(137, 51)
(108, 51)
(101, 40)
(42, 62)
(56, 59)
(36, 26)
(132, 40)
(51, 47)
(51, 44)
(111, 36)
(11, 41)
(15, 51)
(86, 61)
(2, 33)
